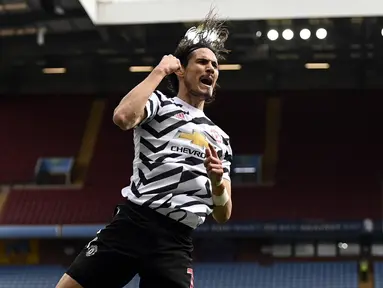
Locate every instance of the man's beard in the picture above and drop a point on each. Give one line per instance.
(203, 96)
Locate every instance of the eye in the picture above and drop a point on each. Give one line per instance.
(205, 62)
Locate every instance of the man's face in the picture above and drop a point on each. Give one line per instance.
(201, 73)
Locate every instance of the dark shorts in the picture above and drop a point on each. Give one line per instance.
(137, 241)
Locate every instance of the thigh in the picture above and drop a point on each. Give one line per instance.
(100, 266)
(68, 282)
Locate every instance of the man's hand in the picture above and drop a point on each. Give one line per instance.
(213, 166)
(169, 64)
(221, 189)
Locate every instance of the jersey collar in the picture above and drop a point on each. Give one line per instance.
(191, 109)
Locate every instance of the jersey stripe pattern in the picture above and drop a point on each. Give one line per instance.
(168, 171)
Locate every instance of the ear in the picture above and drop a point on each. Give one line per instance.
(181, 72)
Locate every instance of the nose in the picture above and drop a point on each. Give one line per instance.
(210, 68)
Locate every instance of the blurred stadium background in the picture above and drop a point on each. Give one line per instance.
(300, 98)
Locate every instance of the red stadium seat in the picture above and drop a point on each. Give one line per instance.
(328, 167)
(39, 126)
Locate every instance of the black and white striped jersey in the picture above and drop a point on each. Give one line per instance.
(168, 171)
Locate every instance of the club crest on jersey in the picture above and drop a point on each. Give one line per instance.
(180, 116)
(217, 137)
(92, 249)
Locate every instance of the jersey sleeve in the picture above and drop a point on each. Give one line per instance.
(226, 162)
(152, 106)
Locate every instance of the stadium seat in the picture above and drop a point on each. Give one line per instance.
(30, 276)
(50, 126)
(378, 274)
(311, 188)
(215, 275)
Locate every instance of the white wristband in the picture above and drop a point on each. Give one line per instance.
(221, 200)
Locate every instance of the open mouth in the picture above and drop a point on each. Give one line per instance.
(208, 81)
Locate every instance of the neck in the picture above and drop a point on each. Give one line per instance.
(192, 100)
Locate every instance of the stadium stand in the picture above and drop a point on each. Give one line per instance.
(52, 206)
(317, 159)
(27, 124)
(94, 203)
(109, 171)
(214, 275)
(286, 275)
(310, 144)
(378, 274)
(30, 276)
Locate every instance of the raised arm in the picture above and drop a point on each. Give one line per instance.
(131, 109)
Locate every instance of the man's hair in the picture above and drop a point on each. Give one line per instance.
(210, 34)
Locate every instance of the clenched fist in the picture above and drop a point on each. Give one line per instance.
(169, 64)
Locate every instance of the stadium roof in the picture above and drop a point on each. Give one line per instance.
(38, 34)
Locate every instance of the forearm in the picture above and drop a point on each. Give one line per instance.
(222, 213)
(131, 109)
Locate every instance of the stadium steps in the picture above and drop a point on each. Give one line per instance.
(378, 274)
(89, 139)
(369, 283)
(4, 192)
(270, 157)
